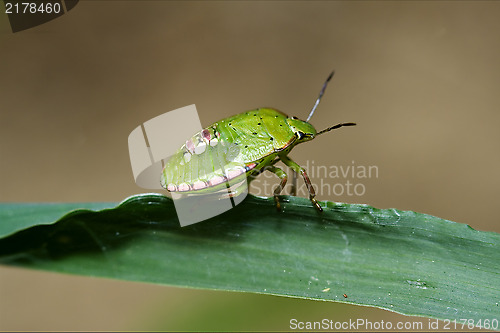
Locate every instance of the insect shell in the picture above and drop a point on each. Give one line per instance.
(236, 148)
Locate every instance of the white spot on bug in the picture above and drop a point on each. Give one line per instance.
(200, 149)
(187, 157)
(171, 188)
(217, 180)
(214, 142)
(199, 184)
(235, 172)
(184, 187)
(190, 146)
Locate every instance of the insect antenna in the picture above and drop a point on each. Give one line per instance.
(320, 95)
(335, 127)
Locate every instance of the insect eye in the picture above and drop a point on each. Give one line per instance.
(300, 135)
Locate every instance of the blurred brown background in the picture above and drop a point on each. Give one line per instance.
(421, 79)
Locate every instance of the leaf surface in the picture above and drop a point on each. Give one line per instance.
(407, 262)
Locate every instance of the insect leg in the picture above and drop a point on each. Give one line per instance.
(283, 176)
(237, 189)
(298, 169)
(293, 190)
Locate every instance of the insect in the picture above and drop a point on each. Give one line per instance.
(240, 147)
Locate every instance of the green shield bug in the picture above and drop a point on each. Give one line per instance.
(239, 148)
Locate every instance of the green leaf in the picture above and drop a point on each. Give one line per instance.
(407, 262)
(18, 216)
